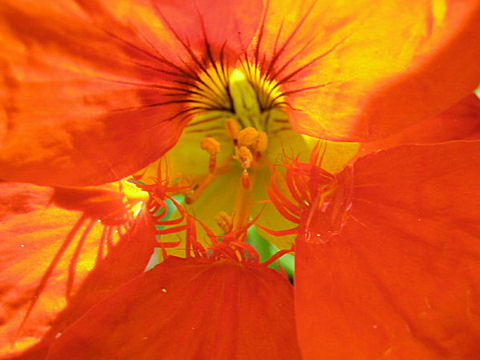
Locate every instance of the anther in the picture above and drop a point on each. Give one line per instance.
(247, 136)
(232, 127)
(224, 221)
(262, 142)
(212, 146)
(244, 156)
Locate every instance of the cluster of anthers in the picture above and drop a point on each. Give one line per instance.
(249, 144)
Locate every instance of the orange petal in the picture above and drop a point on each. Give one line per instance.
(189, 309)
(79, 89)
(401, 281)
(32, 234)
(460, 122)
(36, 229)
(370, 68)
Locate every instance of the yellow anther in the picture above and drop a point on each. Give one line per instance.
(211, 145)
(245, 156)
(232, 127)
(262, 142)
(224, 221)
(247, 136)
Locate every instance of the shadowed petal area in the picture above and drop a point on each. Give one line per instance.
(401, 280)
(32, 234)
(460, 122)
(82, 81)
(189, 309)
(48, 254)
(368, 69)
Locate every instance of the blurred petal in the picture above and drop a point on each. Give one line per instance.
(460, 122)
(35, 235)
(189, 309)
(83, 81)
(401, 280)
(368, 69)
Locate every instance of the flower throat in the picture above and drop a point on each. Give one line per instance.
(236, 114)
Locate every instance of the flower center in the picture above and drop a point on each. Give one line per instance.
(238, 129)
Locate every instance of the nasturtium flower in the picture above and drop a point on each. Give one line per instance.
(232, 97)
(93, 91)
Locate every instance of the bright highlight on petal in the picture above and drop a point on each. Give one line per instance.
(366, 69)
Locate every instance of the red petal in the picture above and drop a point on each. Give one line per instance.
(189, 309)
(402, 279)
(460, 122)
(370, 68)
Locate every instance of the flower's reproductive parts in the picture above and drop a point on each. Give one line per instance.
(227, 152)
(224, 161)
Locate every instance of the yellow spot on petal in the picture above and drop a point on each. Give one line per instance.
(237, 76)
(439, 9)
(132, 191)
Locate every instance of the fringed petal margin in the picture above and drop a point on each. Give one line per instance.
(189, 309)
(368, 69)
(53, 257)
(402, 279)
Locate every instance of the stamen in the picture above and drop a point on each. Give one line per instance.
(244, 156)
(247, 136)
(224, 221)
(262, 142)
(232, 127)
(212, 146)
(245, 180)
(203, 185)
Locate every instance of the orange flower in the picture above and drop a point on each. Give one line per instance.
(94, 91)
